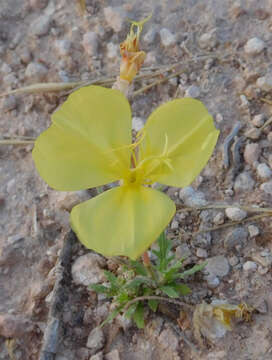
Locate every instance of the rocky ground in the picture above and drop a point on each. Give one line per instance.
(224, 50)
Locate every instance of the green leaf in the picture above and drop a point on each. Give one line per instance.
(182, 289)
(193, 270)
(170, 274)
(100, 289)
(138, 267)
(111, 316)
(138, 316)
(112, 279)
(163, 252)
(153, 304)
(138, 281)
(131, 310)
(169, 291)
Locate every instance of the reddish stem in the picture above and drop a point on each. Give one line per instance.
(146, 259)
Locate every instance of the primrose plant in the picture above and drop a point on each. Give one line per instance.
(89, 144)
(136, 283)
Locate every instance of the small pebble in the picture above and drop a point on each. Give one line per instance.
(201, 253)
(244, 182)
(258, 120)
(88, 269)
(244, 102)
(150, 35)
(96, 339)
(182, 251)
(90, 43)
(137, 123)
(219, 118)
(113, 355)
(267, 187)
(265, 82)
(98, 356)
(250, 266)
(235, 237)
(192, 198)
(253, 134)
(41, 25)
(233, 260)
(254, 46)
(174, 225)
(212, 281)
(36, 71)
(253, 231)
(193, 91)
(262, 270)
(235, 214)
(217, 266)
(263, 171)
(167, 38)
(208, 40)
(219, 219)
(252, 153)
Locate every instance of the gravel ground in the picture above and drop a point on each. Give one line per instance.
(224, 50)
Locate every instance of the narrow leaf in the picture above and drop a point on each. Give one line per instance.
(138, 281)
(138, 316)
(131, 310)
(193, 270)
(153, 304)
(182, 289)
(169, 291)
(101, 289)
(138, 267)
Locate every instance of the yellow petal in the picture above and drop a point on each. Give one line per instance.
(184, 132)
(86, 146)
(122, 221)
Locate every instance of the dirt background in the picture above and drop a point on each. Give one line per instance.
(43, 40)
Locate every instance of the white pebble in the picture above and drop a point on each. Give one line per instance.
(167, 38)
(201, 253)
(36, 71)
(253, 231)
(218, 219)
(137, 123)
(254, 46)
(174, 225)
(267, 187)
(258, 120)
(250, 266)
(265, 82)
(235, 214)
(208, 40)
(263, 171)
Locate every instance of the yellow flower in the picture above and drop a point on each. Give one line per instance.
(132, 57)
(89, 145)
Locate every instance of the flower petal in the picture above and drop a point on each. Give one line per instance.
(87, 144)
(125, 220)
(183, 130)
